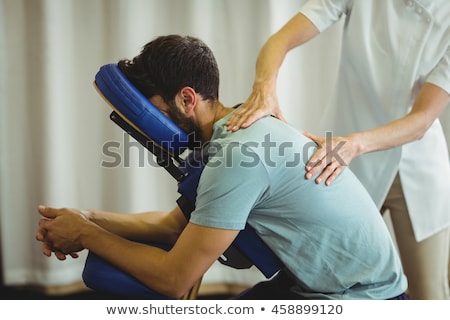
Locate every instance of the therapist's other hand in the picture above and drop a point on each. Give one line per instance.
(59, 231)
(331, 158)
(259, 104)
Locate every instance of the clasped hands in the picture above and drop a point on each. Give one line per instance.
(60, 231)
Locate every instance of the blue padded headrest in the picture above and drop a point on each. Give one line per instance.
(131, 104)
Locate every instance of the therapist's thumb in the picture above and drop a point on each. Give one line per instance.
(47, 212)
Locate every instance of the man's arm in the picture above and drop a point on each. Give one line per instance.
(172, 272)
(154, 226)
(169, 272)
(160, 227)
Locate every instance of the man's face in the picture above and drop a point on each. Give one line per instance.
(171, 111)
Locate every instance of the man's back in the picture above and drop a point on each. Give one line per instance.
(332, 239)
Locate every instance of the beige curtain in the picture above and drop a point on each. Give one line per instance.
(54, 127)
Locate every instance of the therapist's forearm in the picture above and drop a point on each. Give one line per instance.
(294, 33)
(269, 61)
(430, 103)
(389, 136)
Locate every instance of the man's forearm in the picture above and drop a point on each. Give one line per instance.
(144, 262)
(155, 226)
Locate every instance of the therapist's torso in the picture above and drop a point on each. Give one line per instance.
(390, 49)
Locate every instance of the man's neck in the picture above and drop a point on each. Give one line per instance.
(217, 112)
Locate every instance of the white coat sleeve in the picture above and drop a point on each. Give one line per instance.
(324, 13)
(440, 76)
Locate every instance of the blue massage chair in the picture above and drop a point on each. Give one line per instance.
(136, 115)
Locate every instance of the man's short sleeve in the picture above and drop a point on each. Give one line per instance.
(323, 13)
(231, 185)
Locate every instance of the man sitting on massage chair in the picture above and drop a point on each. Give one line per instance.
(331, 240)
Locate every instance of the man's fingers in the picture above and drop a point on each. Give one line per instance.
(47, 212)
(40, 234)
(46, 249)
(60, 256)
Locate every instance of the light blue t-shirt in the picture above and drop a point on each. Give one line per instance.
(333, 239)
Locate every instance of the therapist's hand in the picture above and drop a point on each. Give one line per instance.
(331, 158)
(60, 231)
(260, 103)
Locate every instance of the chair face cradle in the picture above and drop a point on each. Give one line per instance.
(136, 115)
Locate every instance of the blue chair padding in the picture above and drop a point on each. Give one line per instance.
(247, 249)
(104, 277)
(134, 106)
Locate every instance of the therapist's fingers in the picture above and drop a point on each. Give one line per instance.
(317, 163)
(259, 104)
(334, 175)
(246, 115)
(332, 156)
(320, 141)
(279, 115)
(330, 173)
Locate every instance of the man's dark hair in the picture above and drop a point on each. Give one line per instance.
(169, 63)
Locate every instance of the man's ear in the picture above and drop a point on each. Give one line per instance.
(188, 98)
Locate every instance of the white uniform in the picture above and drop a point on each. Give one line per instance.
(390, 49)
